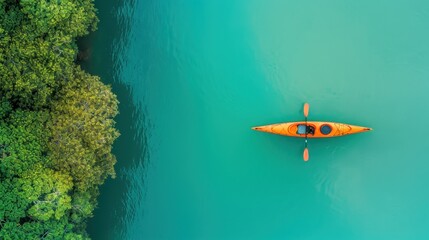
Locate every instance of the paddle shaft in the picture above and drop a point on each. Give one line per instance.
(306, 132)
(306, 110)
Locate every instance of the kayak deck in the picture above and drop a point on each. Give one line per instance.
(315, 129)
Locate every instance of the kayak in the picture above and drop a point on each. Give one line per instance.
(312, 129)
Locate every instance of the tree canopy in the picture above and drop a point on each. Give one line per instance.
(37, 46)
(82, 130)
(56, 121)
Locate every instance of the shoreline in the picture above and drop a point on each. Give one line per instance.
(108, 219)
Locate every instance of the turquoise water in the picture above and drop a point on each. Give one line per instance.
(194, 76)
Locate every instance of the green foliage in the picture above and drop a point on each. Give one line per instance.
(37, 46)
(40, 194)
(72, 17)
(48, 192)
(56, 121)
(82, 130)
(34, 67)
(53, 229)
(22, 142)
(5, 108)
(12, 205)
(82, 205)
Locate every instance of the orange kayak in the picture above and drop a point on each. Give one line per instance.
(312, 128)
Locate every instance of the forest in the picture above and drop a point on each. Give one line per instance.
(56, 121)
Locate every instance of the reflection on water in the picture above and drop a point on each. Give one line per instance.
(109, 43)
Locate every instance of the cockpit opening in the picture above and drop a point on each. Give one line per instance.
(304, 129)
(325, 129)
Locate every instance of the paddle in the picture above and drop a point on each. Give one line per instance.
(306, 109)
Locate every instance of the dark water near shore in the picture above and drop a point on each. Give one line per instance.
(194, 76)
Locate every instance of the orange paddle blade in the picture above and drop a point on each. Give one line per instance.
(305, 155)
(306, 109)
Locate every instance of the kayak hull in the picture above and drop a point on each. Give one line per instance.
(291, 129)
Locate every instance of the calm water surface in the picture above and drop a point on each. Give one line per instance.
(194, 76)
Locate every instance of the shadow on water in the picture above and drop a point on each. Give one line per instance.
(100, 55)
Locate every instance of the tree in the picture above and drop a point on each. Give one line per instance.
(5, 108)
(37, 47)
(56, 121)
(72, 17)
(22, 142)
(13, 206)
(83, 132)
(48, 192)
(53, 230)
